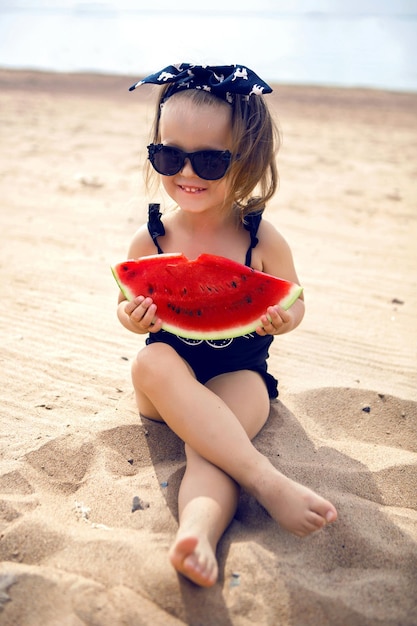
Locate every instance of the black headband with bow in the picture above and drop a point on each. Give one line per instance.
(223, 81)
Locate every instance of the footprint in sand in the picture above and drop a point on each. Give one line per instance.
(23, 539)
(139, 445)
(63, 463)
(16, 499)
(126, 450)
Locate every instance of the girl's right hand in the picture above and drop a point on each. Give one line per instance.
(141, 312)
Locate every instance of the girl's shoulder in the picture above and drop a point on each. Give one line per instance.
(272, 250)
(269, 236)
(141, 243)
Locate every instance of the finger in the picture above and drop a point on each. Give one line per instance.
(139, 308)
(133, 304)
(149, 316)
(277, 315)
(268, 328)
(156, 326)
(272, 322)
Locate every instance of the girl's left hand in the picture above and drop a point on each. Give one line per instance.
(276, 322)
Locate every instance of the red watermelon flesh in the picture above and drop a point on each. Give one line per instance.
(210, 297)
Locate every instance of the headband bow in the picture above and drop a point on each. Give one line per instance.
(223, 81)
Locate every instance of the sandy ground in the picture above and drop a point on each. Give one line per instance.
(74, 453)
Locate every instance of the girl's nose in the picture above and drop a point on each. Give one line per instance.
(187, 168)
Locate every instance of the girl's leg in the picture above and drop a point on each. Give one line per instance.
(207, 502)
(165, 388)
(208, 497)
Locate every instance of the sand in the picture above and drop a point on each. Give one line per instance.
(75, 456)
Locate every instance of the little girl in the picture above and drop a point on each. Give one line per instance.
(214, 145)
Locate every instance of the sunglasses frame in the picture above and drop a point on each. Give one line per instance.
(224, 155)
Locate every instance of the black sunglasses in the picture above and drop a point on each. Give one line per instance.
(207, 164)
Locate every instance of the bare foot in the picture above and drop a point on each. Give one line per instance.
(195, 559)
(295, 507)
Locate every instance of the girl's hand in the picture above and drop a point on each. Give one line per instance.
(277, 321)
(141, 312)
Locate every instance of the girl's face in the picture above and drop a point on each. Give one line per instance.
(191, 127)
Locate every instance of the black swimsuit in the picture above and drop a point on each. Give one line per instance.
(210, 358)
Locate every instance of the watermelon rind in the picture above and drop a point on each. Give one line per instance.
(125, 291)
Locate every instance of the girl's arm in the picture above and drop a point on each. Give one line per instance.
(138, 315)
(274, 257)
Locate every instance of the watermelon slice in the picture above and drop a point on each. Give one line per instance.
(210, 297)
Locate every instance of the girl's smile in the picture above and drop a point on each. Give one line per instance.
(192, 190)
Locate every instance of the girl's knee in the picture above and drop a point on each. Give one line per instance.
(152, 362)
(157, 366)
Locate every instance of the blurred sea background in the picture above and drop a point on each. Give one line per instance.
(360, 43)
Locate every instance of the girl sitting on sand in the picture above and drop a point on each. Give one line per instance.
(214, 143)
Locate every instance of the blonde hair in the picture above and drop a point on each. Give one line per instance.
(255, 143)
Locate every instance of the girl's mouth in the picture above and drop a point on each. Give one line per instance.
(191, 189)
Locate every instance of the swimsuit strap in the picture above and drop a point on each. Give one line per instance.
(155, 226)
(251, 224)
(156, 229)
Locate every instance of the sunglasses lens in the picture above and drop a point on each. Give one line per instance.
(211, 164)
(167, 161)
(207, 164)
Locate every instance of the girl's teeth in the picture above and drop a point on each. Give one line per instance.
(191, 189)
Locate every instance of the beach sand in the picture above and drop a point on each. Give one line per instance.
(75, 454)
